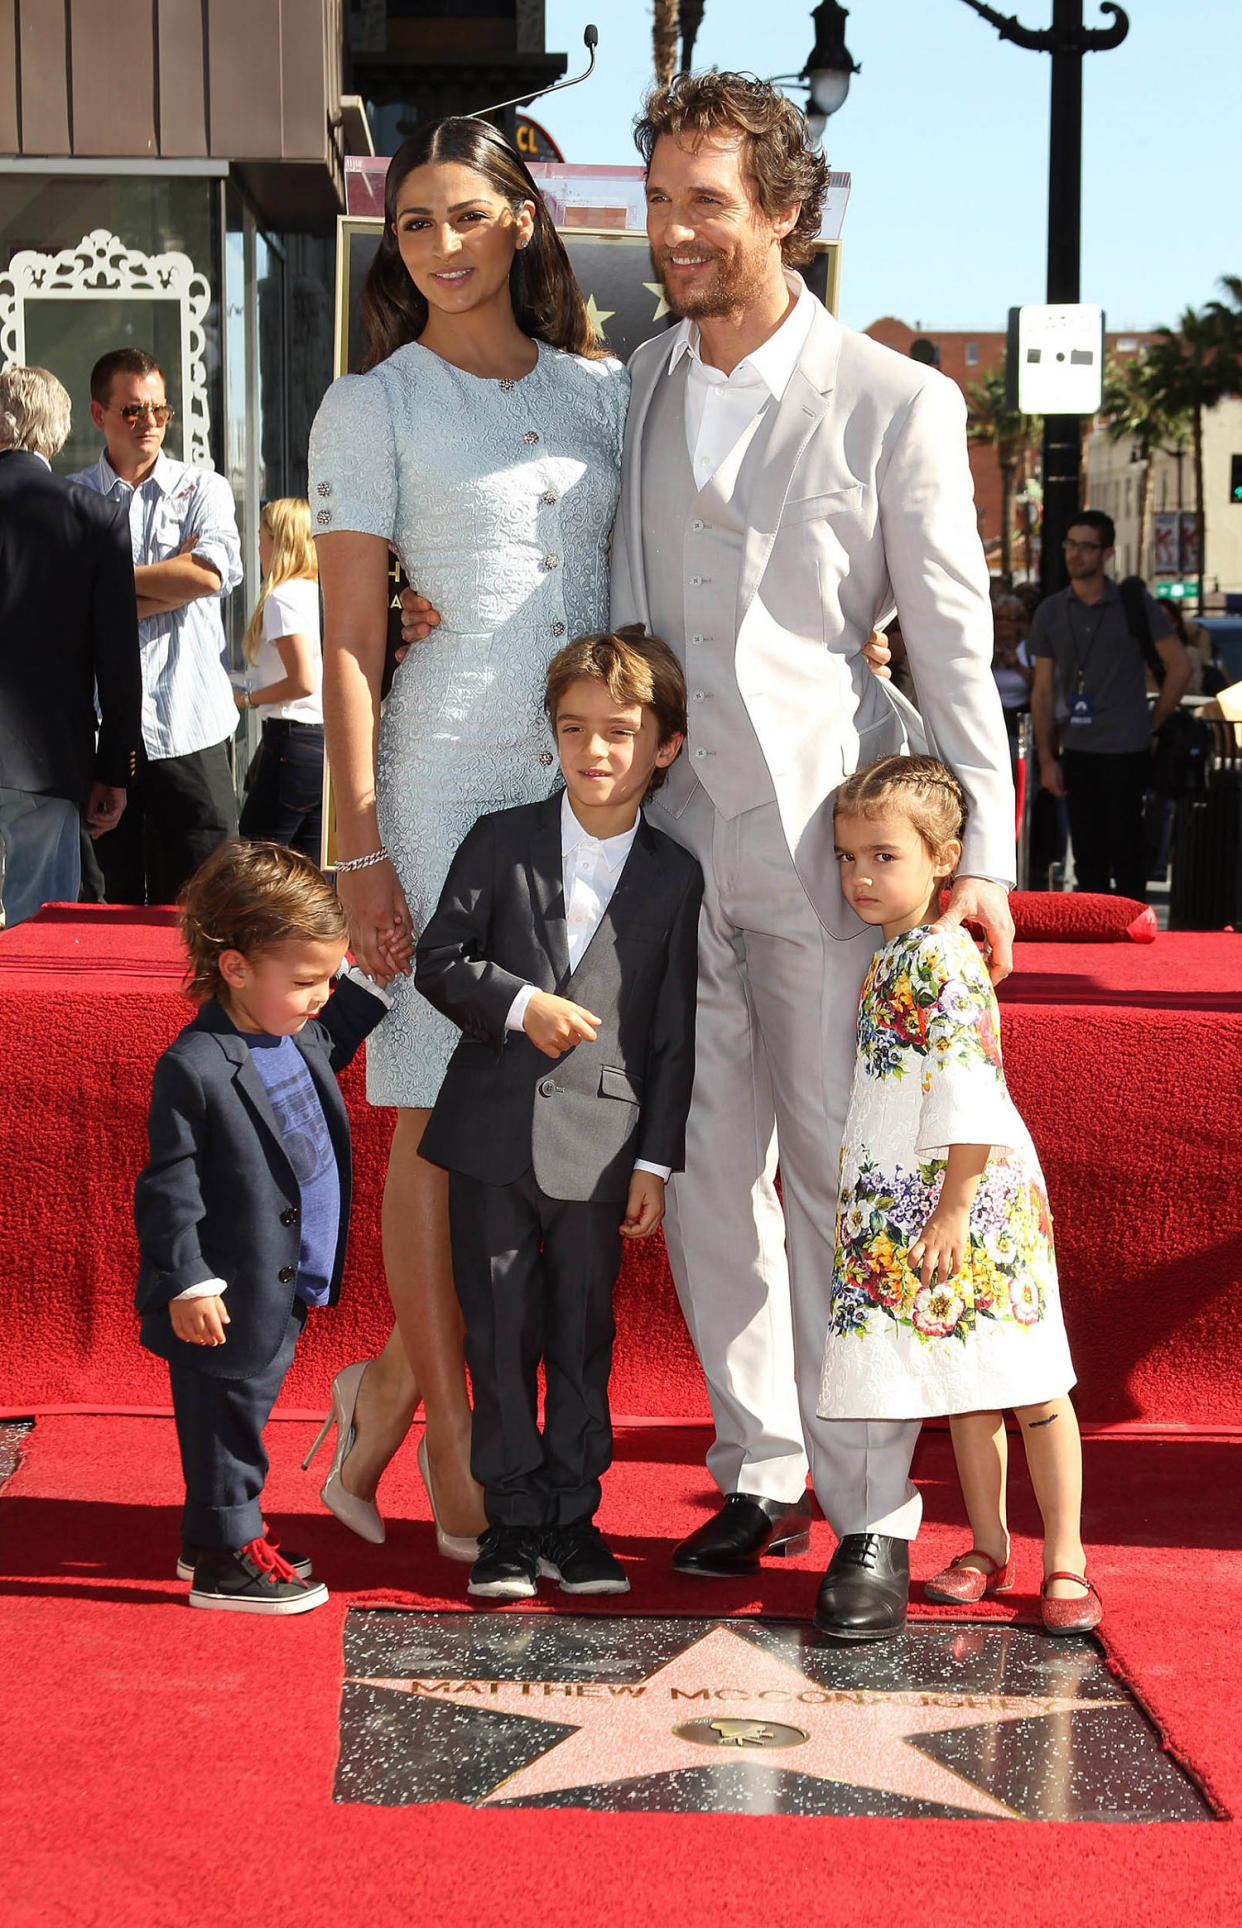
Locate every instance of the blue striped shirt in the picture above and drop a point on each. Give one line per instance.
(187, 699)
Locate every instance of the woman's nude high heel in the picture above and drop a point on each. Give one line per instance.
(360, 1516)
(454, 1546)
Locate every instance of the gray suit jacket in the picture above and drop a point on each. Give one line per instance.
(861, 501)
(580, 1120)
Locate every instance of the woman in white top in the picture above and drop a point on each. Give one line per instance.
(285, 792)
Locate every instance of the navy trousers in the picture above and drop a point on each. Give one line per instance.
(285, 798)
(534, 1276)
(220, 1432)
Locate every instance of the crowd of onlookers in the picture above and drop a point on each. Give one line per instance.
(117, 751)
(118, 710)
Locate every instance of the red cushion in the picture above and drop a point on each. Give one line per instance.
(1080, 917)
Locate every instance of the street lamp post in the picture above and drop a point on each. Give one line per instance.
(829, 67)
(1067, 40)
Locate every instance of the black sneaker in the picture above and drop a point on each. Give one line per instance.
(507, 1564)
(252, 1579)
(578, 1556)
(190, 1555)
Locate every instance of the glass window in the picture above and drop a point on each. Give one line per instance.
(972, 354)
(148, 213)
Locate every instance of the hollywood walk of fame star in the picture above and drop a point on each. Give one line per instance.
(618, 1733)
(598, 316)
(662, 308)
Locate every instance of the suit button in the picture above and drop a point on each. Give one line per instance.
(547, 1087)
(290, 1215)
(287, 1274)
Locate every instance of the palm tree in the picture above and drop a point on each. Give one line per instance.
(1136, 408)
(1194, 366)
(994, 424)
(664, 39)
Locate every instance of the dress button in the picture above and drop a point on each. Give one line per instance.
(286, 1275)
(548, 497)
(506, 386)
(530, 437)
(557, 628)
(550, 562)
(545, 756)
(290, 1215)
(547, 1087)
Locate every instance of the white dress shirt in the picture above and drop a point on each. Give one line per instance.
(719, 407)
(590, 867)
(187, 698)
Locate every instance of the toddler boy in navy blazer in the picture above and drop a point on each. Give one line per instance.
(243, 1208)
(565, 946)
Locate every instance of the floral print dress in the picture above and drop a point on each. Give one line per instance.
(928, 1075)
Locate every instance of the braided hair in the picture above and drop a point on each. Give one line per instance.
(919, 788)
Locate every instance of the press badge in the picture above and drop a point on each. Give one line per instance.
(1079, 710)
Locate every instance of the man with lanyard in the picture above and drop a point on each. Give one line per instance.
(187, 557)
(1084, 650)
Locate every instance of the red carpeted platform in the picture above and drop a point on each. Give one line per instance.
(162, 1765)
(1125, 1059)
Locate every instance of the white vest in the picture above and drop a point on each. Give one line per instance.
(693, 549)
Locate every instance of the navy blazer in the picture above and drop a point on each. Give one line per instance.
(582, 1119)
(218, 1198)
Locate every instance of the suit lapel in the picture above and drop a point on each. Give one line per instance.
(774, 454)
(547, 885)
(234, 1048)
(652, 372)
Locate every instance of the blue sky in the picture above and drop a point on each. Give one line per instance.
(946, 134)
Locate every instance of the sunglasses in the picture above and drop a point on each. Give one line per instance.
(133, 412)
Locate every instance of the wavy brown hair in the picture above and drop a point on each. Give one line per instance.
(250, 896)
(547, 301)
(777, 153)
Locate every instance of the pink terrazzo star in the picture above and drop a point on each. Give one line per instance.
(727, 1686)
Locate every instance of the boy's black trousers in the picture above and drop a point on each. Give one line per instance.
(535, 1276)
(220, 1432)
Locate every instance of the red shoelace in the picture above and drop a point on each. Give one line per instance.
(265, 1554)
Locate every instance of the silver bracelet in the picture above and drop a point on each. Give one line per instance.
(379, 856)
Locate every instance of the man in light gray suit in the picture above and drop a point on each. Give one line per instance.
(786, 483)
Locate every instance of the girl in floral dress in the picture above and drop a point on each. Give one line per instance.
(944, 1291)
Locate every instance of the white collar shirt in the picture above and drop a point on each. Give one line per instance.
(187, 698)
(719, 407)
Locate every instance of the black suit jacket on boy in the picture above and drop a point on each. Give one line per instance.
(68, 623)
(219, 1198)
(581, 1120)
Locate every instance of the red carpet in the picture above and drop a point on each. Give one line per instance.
(1126, 1060)
(176, 1767)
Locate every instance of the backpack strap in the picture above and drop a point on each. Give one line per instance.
(1134, 602)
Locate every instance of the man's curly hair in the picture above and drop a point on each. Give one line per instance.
(777, 154)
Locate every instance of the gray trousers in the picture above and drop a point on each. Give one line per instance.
(534, 1276)
(774, 1056)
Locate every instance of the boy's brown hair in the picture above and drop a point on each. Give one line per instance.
(249, 897)
(920, 788)
(634, 667)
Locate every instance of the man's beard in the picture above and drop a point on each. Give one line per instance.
(733, 287)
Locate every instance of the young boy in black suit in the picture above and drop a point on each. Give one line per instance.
(243, 1209)
(564, 944)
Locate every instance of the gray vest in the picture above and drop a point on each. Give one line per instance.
(692, 547)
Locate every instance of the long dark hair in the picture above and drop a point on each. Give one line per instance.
(547, 302)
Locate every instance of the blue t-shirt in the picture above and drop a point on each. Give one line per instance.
(304, 1133)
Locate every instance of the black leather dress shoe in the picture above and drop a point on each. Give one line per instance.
(734, 1540)
(865, 1592)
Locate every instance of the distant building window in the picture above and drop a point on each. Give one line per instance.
(972, 354)
(1127, 345)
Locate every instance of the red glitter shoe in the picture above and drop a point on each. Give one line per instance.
(1071, 1616)
(960, 1585)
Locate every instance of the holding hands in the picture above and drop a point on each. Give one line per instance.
(381, 930)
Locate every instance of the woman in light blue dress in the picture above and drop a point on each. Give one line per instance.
(483, 444)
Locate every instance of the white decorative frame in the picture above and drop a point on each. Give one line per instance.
(99, 268)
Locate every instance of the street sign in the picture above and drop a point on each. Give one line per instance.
(1055, 359)
(1175, 591)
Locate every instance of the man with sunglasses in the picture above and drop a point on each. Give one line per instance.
(187, 558)
(1090, 669)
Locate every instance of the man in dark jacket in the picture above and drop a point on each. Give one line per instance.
(68, 629)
